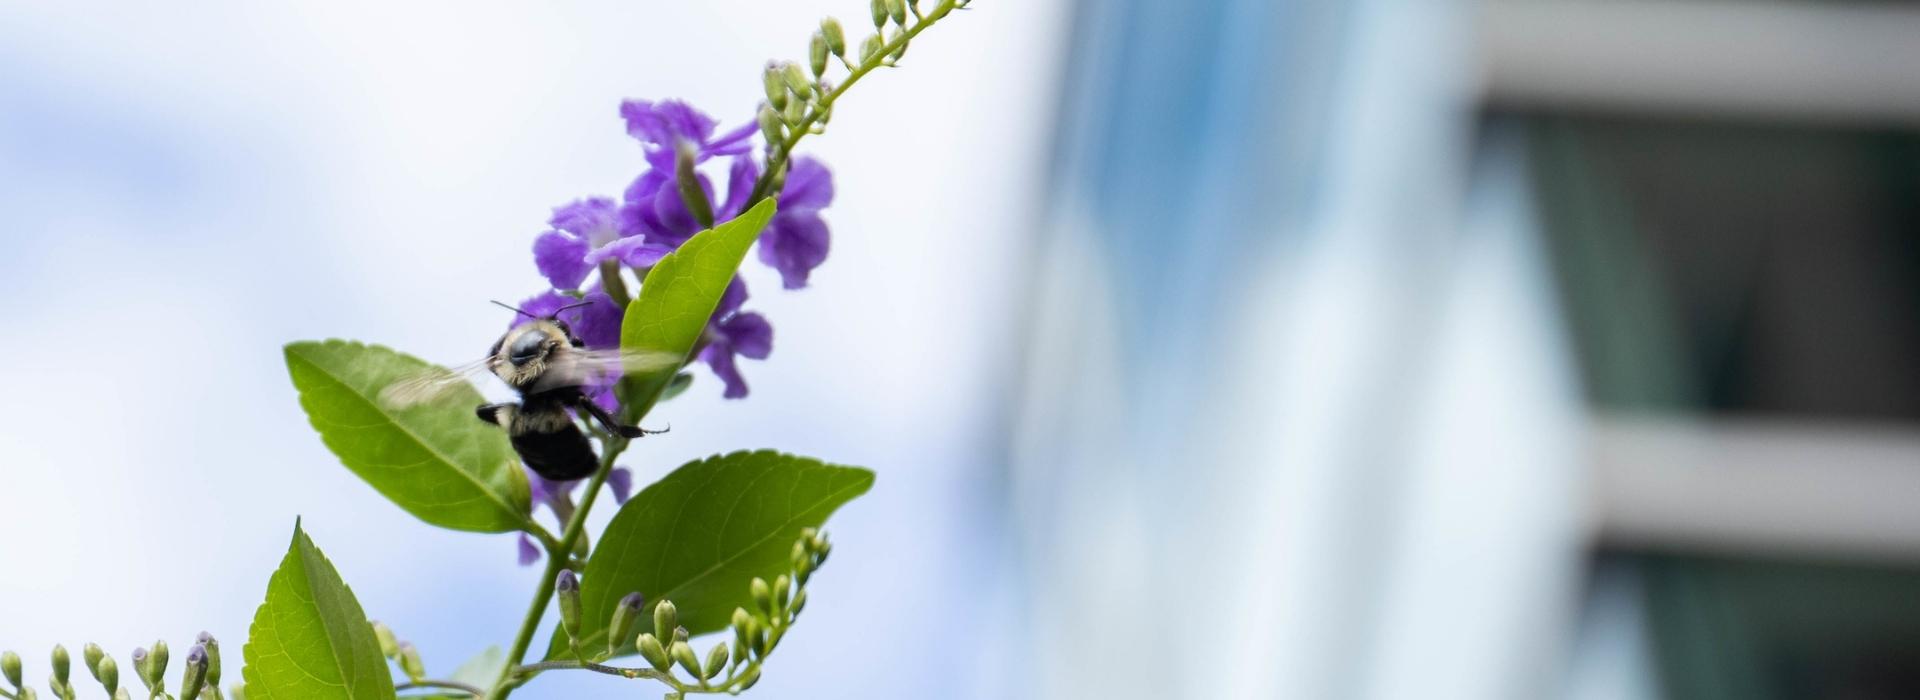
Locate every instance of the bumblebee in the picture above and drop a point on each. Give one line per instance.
(550, 368)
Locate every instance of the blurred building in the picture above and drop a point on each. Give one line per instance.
(1514, 349)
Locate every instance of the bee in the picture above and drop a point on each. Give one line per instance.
(550, 368)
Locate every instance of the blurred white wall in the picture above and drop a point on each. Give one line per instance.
(187, 186)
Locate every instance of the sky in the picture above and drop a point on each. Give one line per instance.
(188, 187)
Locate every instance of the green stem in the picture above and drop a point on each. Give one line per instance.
(621, 671)
(778, 158)
(612, 283)
(558, 557)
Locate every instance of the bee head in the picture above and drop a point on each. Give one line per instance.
(523, 353)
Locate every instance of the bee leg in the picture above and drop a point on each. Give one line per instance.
(612, 425)
(495, 413)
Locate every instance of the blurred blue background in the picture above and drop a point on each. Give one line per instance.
(1220, 348)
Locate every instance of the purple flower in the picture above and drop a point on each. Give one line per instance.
(662, 126)
(597, 324)
(735, 333)
(796, 239)
(582, 231)
(653, 205)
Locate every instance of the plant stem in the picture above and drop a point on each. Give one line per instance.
(450, 685)
(778, 158)
(620, 671)
(613, 284)
(558, 558)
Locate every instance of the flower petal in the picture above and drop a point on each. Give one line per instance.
(735, 142)
(529, 552)
(621, 481)
(660, 124)
(540, 305)
(794, 243)
(720, 359)
(636, 213)
(598, 323)
(596, 219)
(740, 179)
(809, 186)
(561, 259)
(635, 252)
(749, 334)
(731, 299)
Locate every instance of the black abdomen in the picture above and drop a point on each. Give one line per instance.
(561, 455)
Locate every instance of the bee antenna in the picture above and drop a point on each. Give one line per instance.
(556, 312)
(515, 309)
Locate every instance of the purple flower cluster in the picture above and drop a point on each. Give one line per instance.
(589, 237)
(652, 219)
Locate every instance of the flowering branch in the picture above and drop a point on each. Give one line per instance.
(407, 427)
(756, 632)
(557, 558)
(784, 127)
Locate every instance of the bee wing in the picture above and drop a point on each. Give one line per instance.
(580, 368)
(428, 385)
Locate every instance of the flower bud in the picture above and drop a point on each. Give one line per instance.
(624, 615)
(898, 9)
(91, 654)
(655, 654)
(762, 595)
(795, 113)
(157, 664)
(782, 591)
(716, 660)
(878, 8)
(410, 662)
(775, 85)
(757, 640)
(817, 55)
(799, 603)
(742, 627)
(750, 677)
(108, 673)
(62, 664)
(28, 694)
(836, 39)
(683, 653)
(213, 659)
(900, 50)
(566, 587)
(870, 48)
(195, 675)
(691, 193)
(770, 126)
(796, 80)
(665, 618)
(142, 660)
(389, 646)
(10, 665)
(940, 9)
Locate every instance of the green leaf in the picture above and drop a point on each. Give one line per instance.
(434, 458)
(310, 639)
(701, 534)
(483, 669)
(680, 294)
